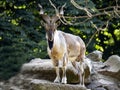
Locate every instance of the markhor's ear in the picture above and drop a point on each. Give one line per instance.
(58, 23)
(42, 23)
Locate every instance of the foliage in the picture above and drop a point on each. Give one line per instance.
(22, 37)
(109, 39)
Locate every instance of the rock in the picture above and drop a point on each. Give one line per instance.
(111, 87)
(111, 67)
(39, 75)
(113, 63)
(101, 82)
(95, 55)
(106, 75)
(46, 85)
(37, 65)
(43, 69)
(94, 85)
(14, 88)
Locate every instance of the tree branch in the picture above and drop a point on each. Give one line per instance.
(81, 8)
(93, 15)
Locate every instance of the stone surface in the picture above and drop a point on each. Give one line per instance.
(113, 63)
(46, 69)
(46, 85)
(111, 67)
(95, 55)
(39, 75)
(106, 75)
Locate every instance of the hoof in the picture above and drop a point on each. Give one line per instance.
(82, 85)
(57, 80)
(64, 80)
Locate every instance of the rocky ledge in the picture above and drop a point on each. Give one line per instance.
(39, 74)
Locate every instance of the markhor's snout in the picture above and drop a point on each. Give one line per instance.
(50, 35)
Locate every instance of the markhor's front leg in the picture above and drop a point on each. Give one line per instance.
(57, 79)
(64, 78)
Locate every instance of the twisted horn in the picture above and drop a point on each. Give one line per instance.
(46, 18)
(61, 10)
(56, 17)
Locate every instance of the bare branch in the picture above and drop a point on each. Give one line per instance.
(116, 12)
(54, 7)
(91, 38)
(103, 11)
(66, 22)
(98, 29)
(81, 8)
(94, 25)
(111, 11)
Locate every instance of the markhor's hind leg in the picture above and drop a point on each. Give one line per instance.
(76, 69)
(82, 74)
(81, 66)
(81, 57)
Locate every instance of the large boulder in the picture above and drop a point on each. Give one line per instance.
(106, 75)
(103, 82)
(43, 69)
(111, 67)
